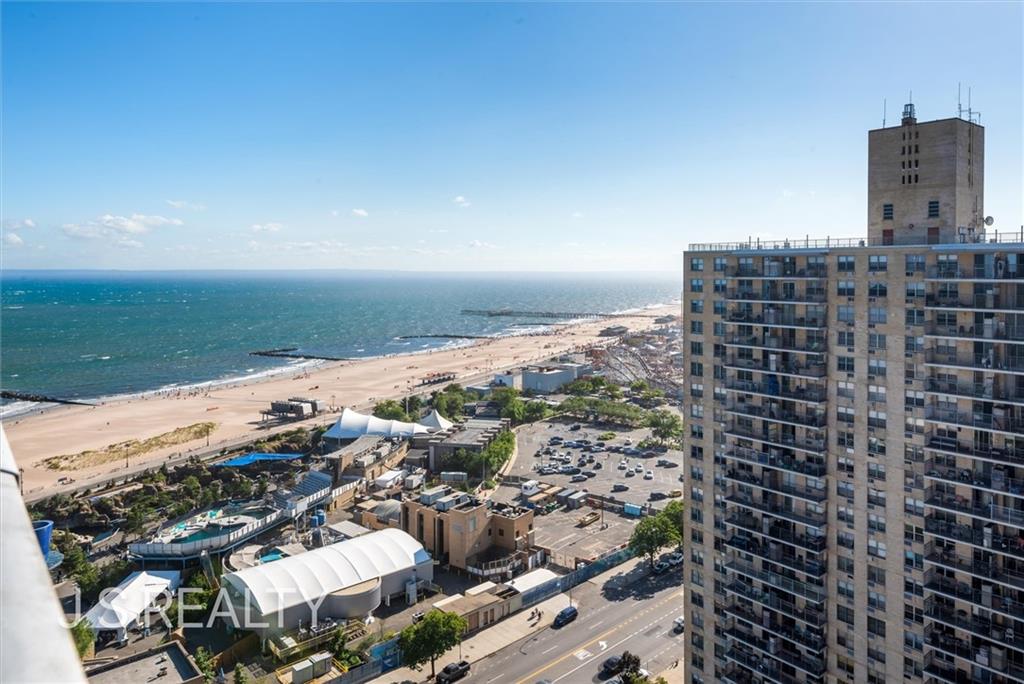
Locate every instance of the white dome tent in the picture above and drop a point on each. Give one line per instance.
(352, 425)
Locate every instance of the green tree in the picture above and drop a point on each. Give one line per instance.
(651, 535)
(191, 487)
(204, 661)
(240, 675)
(389, 409)
(534, 411)
(414, 404)
(81, 632)
(431, 638)
(666, 426)
(515, 411)
(673, 513)
(639, 386)
(630, 664)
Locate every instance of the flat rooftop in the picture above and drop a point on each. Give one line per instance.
(974, 240)
(166, 664)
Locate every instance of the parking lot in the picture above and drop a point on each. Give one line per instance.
(607, 475)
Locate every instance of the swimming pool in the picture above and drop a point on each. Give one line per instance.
(271, 556)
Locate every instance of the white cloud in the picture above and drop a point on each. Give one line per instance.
(185, 204)
(480, 244)
(335, 213)
(136, 223)
(360, 212)
(13, 240)
(118, 230)
(19, 225)
(461, 201)
(577, 214)
(271, 227)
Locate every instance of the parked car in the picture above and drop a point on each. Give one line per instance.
(675, 493)
(578, 478)
(619, 487)
(657, 496)
(555, 440)
(639, 467)
(675, 559)
(575, 426)
(596, 466)
(649, 475)
(611, 665)
(630, 473)
(417, 616)
(679, 625)
(566, 615)
(660, 568)
(589, 473)
(453, 672)
(623, 465)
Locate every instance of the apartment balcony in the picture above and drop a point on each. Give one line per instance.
(950, 445)
(765, 669)
(1009, 424)
(1002, 634)
(963, 592)
(777, 271)
(776, 532)
(808, 444)
(813, 421)
(808, 518)
(994, 391)
(983, 569)
(1006, 272)
(816, 617)
(802, 638)
(810, 395)
(777, 462)
(997, 332)
(812, 494)
(963, 649)
(995, 481)
(804, 590)
(776, 319)
(987, 512)
(775, 648)
(987, 301)
(774, 553)
(989, 540)
(818, 296)
(775, 343)
(977, 362)
(811, 369)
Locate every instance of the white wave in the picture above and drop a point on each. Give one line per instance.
(19, 408)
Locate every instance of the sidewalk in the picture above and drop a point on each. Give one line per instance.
(485, 643)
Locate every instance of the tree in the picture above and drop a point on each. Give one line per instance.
(665, 425)
(431, 638)
(534, 411)
(389, 409)
(673, 513)
(639, 386)
(81, 632)
(630, 663)
(204, 661)
(515, 411)
(651, 535)
(241, 676)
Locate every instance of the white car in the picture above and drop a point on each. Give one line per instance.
(639, 467)
(649, 475)
(623, 465)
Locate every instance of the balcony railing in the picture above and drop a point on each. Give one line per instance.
(997, 332)
(807, 297)
(985, 272)
(816, 617)
(751, 523)
(776, 343)
(983, 421)
(807, 370)
(951, 445)
(811, 394)
(993, 571)
(775, 648)
(982, 301)
(816, 494)
(777, 462)
(775, 318)
(975, 390)
(965, 476)
(992, 361)
(960, 504)
(1012, 545)
(799, 637)
(774, 553)
(808, 518)
(962, 648)
(779, 439)
(814, 421)
(779, 270)
(964, 592)
(999, 632)
(767, 669)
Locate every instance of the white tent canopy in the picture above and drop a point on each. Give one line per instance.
(436, 422)
(352, 425)
(122, 607)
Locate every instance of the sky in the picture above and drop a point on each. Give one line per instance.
(471, 137)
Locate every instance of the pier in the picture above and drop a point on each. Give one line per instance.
(293, 353)
(443, 336)
(549, 314)
(40, 398)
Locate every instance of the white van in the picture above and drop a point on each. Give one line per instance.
(529, 488)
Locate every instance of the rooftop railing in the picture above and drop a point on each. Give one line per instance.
(993, 237)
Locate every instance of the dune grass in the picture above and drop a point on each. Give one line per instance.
(130, 449)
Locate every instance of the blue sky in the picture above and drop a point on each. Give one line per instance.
(470, 136)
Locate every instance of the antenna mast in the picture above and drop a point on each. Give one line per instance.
(883, 112)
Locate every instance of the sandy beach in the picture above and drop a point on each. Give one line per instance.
(236, 408)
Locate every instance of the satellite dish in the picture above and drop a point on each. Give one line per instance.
(989, 220)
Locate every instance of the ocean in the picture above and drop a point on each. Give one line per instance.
(84, 335)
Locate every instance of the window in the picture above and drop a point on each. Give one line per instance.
(696, 349)
(844, 488)
(718, 328)
(845, 614)
(697, 327)
(697, 431)
(913, 345)
(878, 288)
(844, 414)
(876, 447)
(912, 587)
(718, 307)
(844, 338)
(696, 264)
(877, 367)
(845, 288)
(719, 264)
(697, 306)
(913, 533)
(845, 589)
(845, 313)
(845, 364)
(876, 393)
(875, 497)
(878, 263)
(696, 285)
(913, 506)
(846, 389)
(696, 390)
(844, 439)
(844, 513)
(915, 263)
(887, 212)
(846, 264)
(877, 315)
(697, 369)
(876, 575)
(915, 316)
(876, 418)
(844, 564)
(696, 411)
(719, 285)
(913, 399)
(913, 560)
(876, 523)
(876, 548)
(913, 640)
(913, 614)
(876, 600)
(876, 341)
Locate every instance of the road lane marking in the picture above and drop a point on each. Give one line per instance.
(596, 624)
(549, 650)
(583, 654)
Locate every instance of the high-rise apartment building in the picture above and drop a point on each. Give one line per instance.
(855, 437)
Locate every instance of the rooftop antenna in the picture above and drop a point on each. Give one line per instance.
(883, 112)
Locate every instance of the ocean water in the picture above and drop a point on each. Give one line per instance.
(96, 334)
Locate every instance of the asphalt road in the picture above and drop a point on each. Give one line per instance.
(632, 612)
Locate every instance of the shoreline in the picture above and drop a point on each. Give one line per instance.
(234, 404)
